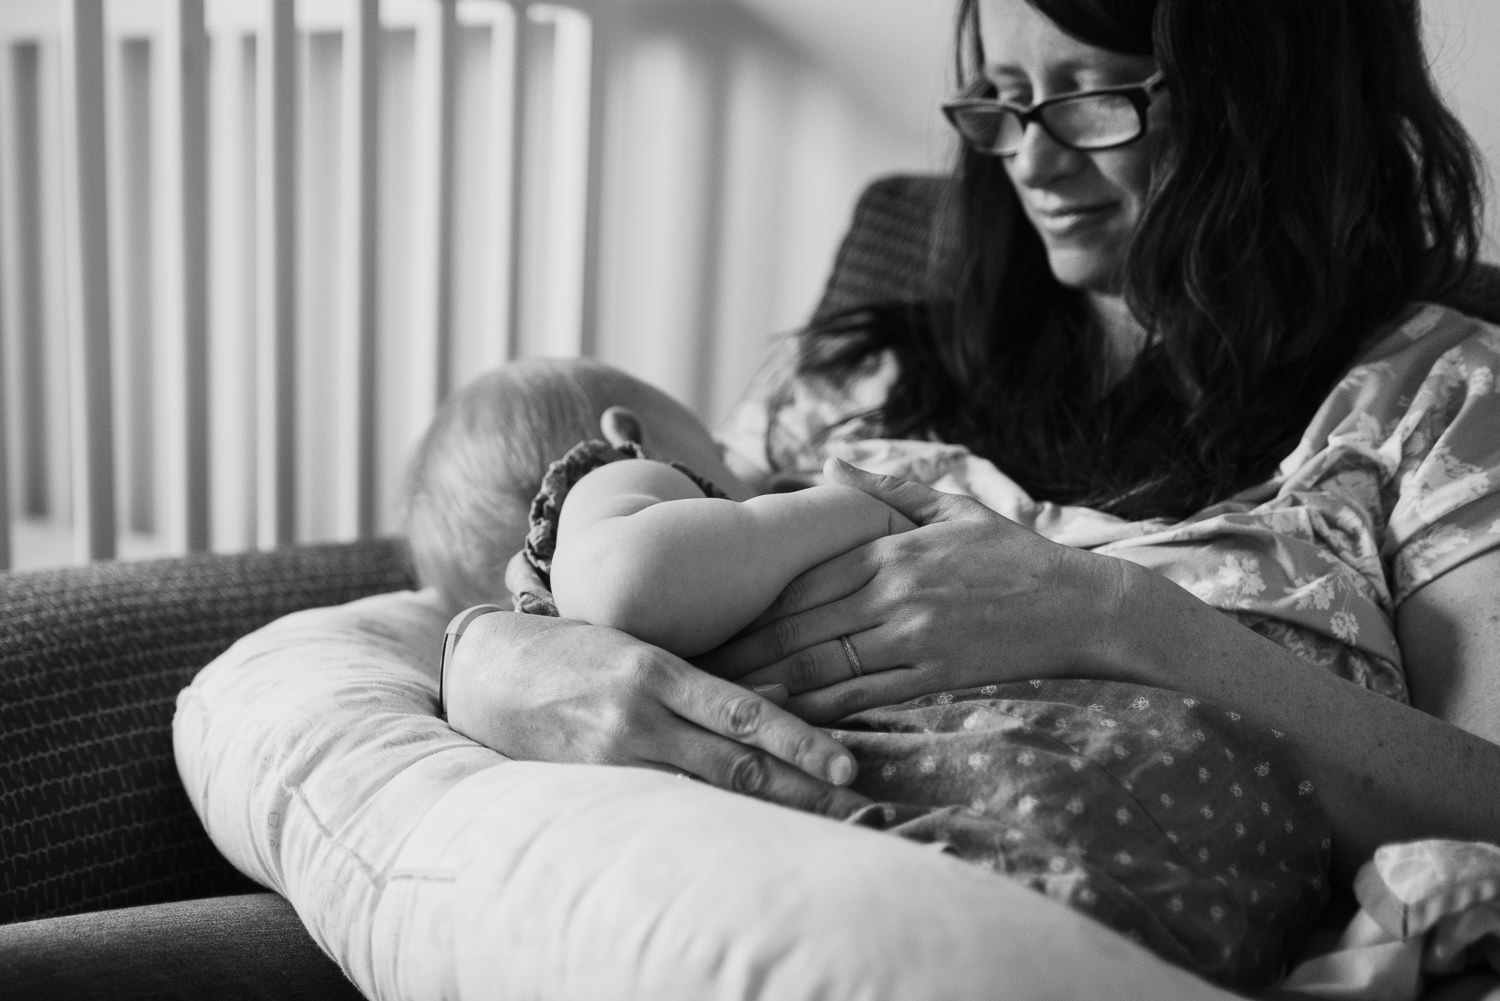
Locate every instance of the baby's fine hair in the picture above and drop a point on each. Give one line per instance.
(469, 488)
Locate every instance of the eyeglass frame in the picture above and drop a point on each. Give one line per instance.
(1140, 95)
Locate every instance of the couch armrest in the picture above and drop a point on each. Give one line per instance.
(92, 814)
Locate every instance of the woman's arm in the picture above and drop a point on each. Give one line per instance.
(545, 689)
(1385, 771)
(640, 549)
(1449, 633)
(970, 598)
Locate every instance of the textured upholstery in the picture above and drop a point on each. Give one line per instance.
(92, 814)
(892, 251)
(91, 658)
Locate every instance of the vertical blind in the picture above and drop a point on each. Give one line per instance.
(246, 247)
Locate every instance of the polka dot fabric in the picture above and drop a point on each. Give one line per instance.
(1177, 822)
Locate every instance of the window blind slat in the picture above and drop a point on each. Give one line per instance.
(87, 288)
(185, 276)
(359, 244)
(276, 274)
(432, 204)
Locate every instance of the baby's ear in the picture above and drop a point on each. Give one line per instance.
(621, 425)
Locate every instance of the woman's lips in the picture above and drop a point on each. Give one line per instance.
(1062, 221)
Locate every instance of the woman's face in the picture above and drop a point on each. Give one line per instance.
(1084, 205)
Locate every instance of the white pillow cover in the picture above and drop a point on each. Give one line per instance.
(431, 867)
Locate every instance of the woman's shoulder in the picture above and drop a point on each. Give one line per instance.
(1407, 438)
(1427, 365)
(1427, 360)
(1423, 334)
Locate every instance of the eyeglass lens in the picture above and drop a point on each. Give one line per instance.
(1090, 122)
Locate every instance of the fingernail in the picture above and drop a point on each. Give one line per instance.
(840, 771)
(776, 693)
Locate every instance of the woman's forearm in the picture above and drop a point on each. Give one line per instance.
(1384, 771)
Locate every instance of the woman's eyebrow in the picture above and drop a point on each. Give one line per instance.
(1064, 65)
(1067, 68)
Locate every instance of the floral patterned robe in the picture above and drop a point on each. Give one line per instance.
(1395, 482)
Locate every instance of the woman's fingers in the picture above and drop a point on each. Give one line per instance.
(825, 584)
(733, 738)
(549, 689)
(753, 742)
(747, 770)
(824, 706)
(810, 610)
(919, 503)
(832, 662)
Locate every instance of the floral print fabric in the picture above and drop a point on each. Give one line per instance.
(1395, 482)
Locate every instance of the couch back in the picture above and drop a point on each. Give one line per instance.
(92, 813)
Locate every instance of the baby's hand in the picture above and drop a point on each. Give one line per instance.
(619, 425)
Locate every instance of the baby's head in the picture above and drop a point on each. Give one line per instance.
(469, 489)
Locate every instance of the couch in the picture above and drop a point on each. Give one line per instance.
(93, 819)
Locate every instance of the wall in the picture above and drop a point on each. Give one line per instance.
(717, 187)
(731, 164)
(1464, 45)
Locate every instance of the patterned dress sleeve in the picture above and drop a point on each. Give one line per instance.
(1444, 496)
(1393, 484)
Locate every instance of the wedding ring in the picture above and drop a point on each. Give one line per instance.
(852, 656)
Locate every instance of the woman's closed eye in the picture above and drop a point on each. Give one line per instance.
(1022, 94)
(1008, 92)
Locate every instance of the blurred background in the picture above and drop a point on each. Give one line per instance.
(246, 246)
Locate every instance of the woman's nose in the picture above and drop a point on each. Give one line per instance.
(1042, 159)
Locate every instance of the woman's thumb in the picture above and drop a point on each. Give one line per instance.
(921, 504)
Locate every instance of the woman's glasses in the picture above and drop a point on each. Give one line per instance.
(1088, 120)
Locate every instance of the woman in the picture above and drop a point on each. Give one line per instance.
(1229, 205)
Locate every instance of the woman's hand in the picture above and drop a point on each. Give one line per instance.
(968, 598)
(546, 689)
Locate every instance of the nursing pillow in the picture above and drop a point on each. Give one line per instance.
(429, 866)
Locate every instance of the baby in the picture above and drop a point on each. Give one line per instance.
(1171, 820)
(627, 554)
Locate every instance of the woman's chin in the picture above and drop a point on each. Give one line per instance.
(1084, 271)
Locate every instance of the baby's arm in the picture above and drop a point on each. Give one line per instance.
(642, 550)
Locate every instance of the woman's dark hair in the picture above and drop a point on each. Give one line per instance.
(1311, 183)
